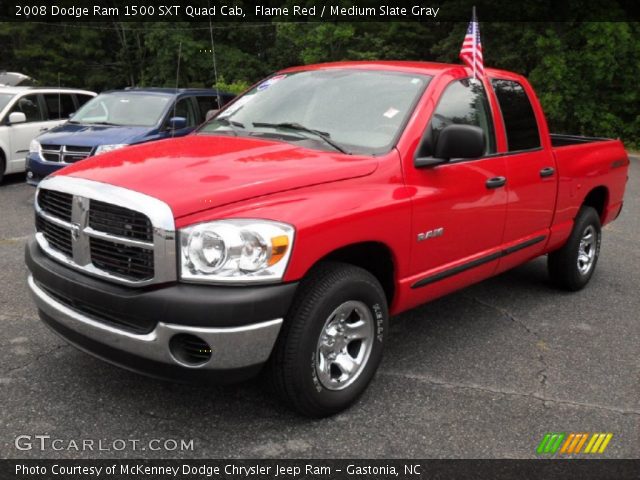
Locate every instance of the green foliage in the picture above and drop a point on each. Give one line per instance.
(586, 74)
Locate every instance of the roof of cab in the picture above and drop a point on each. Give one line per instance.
(425, 68)
(15, 90)
(170, 91)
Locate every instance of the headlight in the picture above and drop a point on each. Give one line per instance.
(108, 148)
(34, 146)
(235, 251)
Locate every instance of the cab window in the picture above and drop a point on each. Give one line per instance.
(463, 102)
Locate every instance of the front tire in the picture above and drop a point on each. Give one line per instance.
(331, 342)
(571, 267)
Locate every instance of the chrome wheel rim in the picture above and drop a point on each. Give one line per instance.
(587, 249)
(344, 345)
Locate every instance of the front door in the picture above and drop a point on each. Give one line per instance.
(459, 207)
(21, 134)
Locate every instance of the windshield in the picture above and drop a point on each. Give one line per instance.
(356, 111)
(123, 108)
(4, 99)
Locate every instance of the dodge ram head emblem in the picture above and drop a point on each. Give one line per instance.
(75, 231)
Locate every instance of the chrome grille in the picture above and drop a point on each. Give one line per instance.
(64, 153)
(90, 229)
(59, 238)
(120, 221)
(55, 203)
(119, 259)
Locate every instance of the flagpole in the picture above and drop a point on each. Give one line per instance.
(475, 36)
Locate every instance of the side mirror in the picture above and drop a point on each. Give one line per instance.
(176, 123)
(460, 141)
(209, 115)
(455, 141)
(17, 117)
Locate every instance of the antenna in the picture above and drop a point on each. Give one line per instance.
(213, 57)
(59, 101)
(175, 105)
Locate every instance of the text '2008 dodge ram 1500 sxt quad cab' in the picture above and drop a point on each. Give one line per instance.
(286, 230)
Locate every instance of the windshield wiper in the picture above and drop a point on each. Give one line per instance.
(301, 128)
(226, 121)
(106, 123)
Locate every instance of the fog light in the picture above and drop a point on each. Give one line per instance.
(29, 174)
(189, 350)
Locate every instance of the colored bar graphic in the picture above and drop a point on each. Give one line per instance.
(573, 443)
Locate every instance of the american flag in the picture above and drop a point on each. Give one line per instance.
(471, 51)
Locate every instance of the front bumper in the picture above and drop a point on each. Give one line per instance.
(37, 168)
(240, 328)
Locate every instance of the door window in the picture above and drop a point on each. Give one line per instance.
(184, 108)
(463, 102)
(206, 104)
(59, 106)
(30, 106)
(517, 114)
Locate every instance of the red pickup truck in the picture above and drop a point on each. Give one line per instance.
(286, 230)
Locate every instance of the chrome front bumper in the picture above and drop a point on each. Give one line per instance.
(232, 347)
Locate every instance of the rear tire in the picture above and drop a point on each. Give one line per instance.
(571, 267)
(331, 342)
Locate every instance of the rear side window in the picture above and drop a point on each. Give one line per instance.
(30, 106)
(517, 114)
(59, 106)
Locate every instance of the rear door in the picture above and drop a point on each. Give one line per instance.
(531, 176)
(458, 213)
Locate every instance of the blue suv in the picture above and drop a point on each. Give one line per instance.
(118, 118)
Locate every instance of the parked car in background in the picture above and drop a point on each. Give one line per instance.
(118, 118)
(26, 112)
(14, 79)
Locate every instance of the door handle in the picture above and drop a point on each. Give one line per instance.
(547, 172)
(44, 129)
(496, 182)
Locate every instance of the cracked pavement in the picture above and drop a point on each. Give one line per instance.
(482, 373)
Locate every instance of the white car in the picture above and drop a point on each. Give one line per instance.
(26, 112)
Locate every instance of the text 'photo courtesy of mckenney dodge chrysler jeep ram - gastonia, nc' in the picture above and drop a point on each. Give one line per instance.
(280, 235)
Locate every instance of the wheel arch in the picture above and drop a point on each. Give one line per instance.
(597, 198)
(375, 257)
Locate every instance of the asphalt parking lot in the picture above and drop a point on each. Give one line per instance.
(482, 373)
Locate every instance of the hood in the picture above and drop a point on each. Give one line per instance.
(199, 172)
(91, 135)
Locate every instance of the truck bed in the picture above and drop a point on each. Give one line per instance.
(562, 140)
